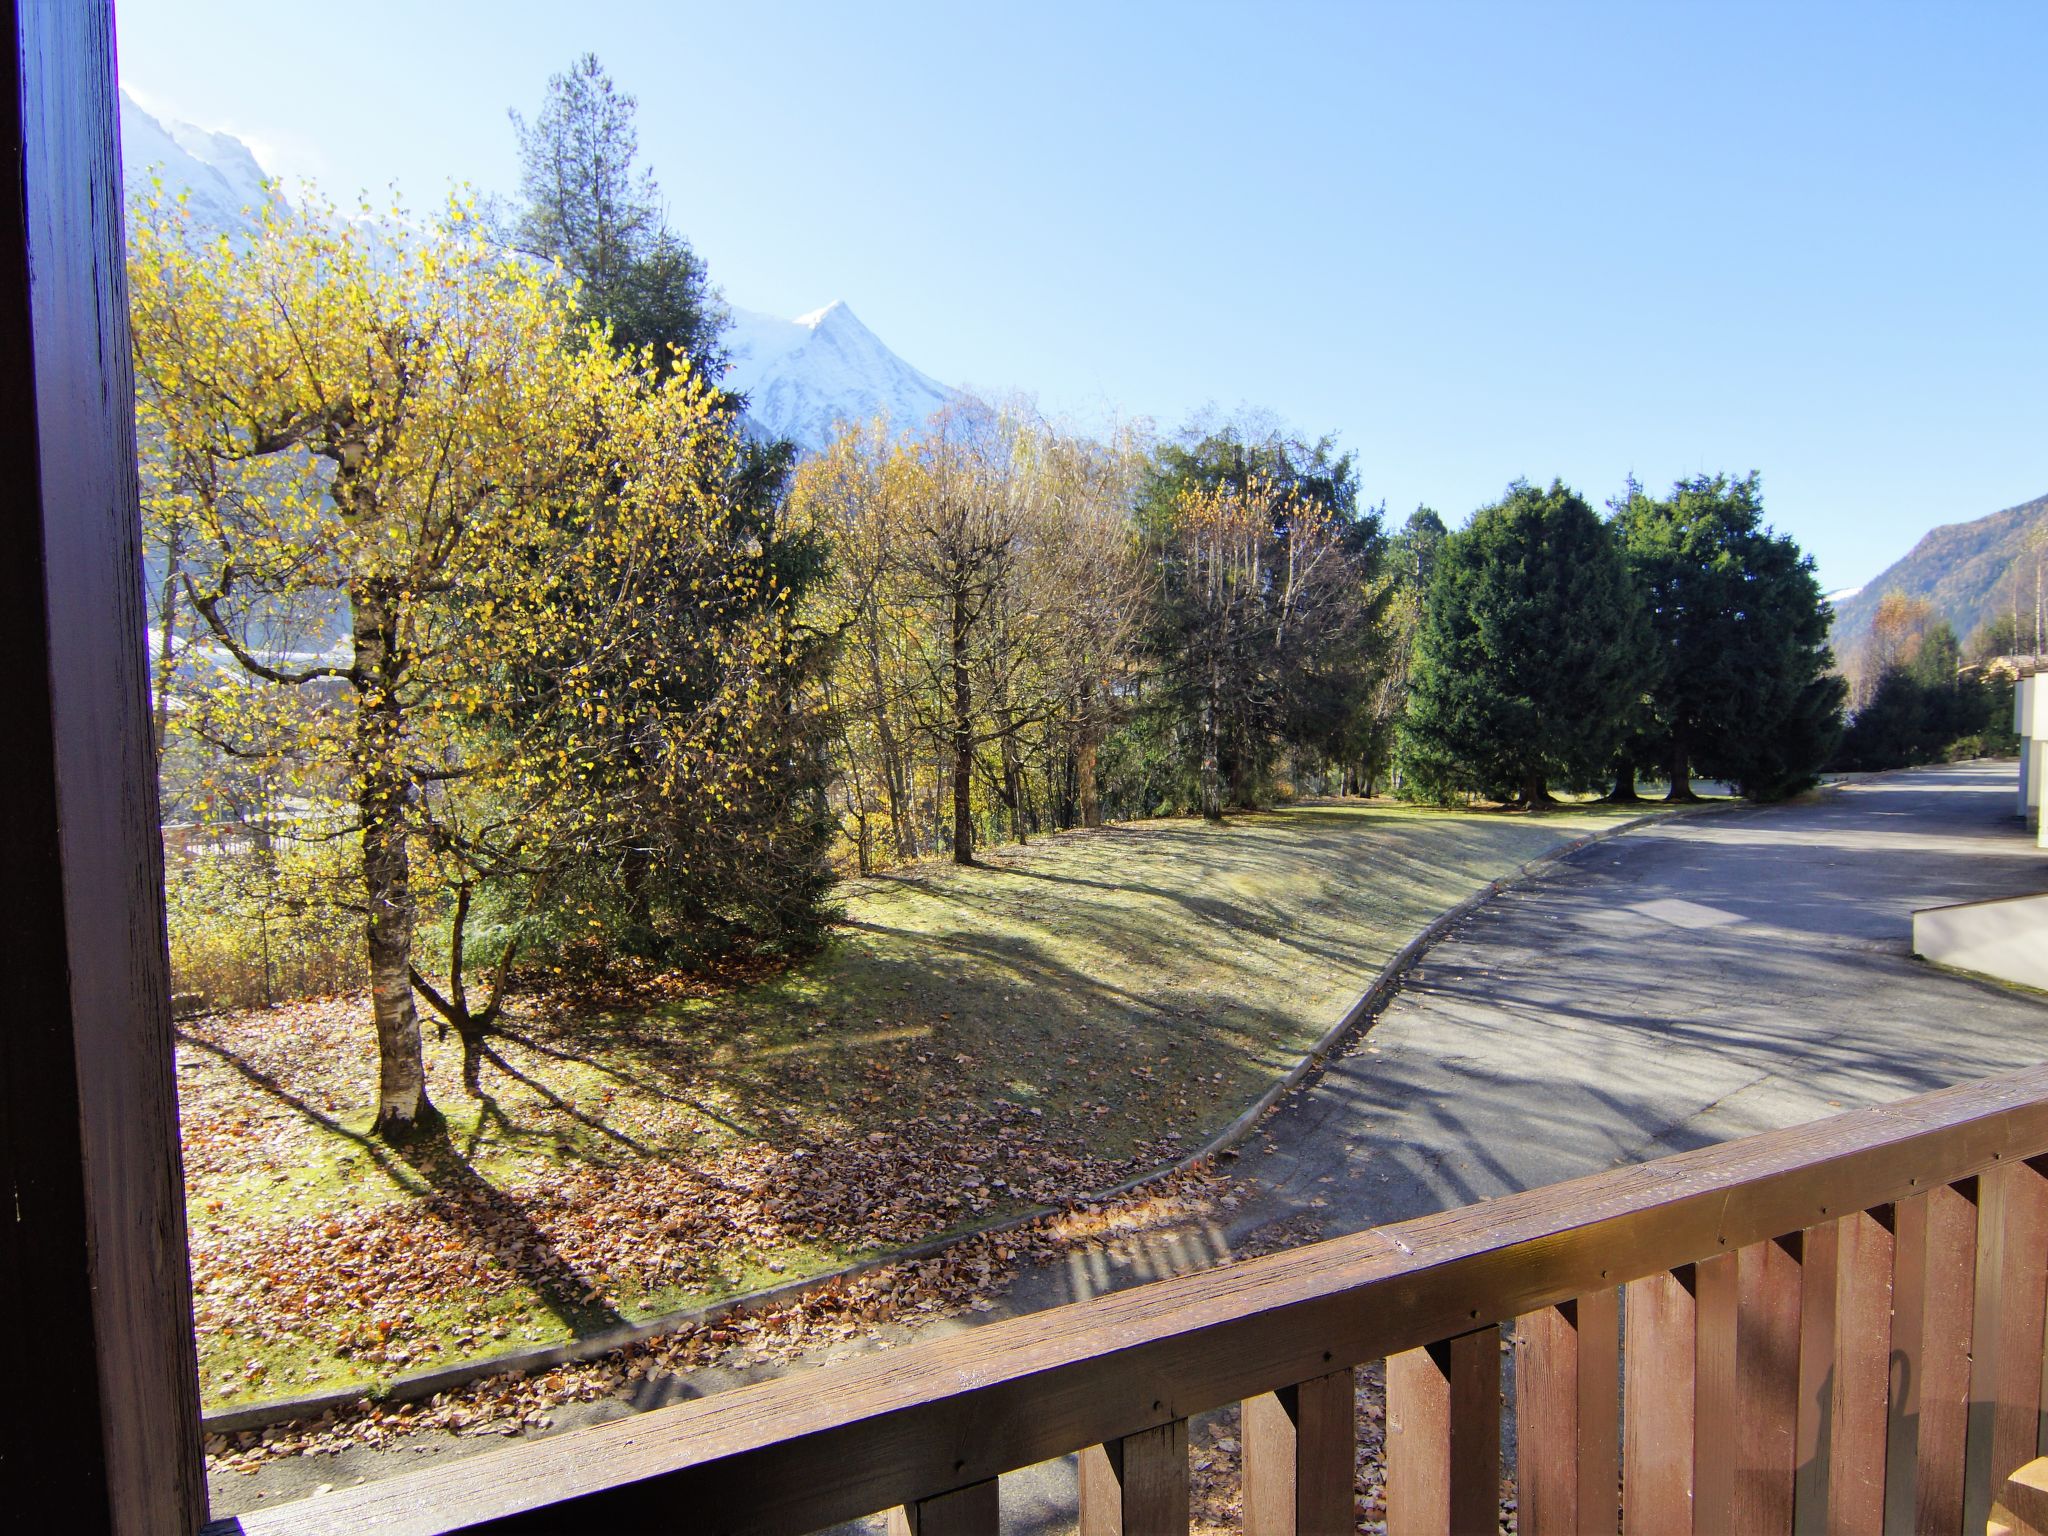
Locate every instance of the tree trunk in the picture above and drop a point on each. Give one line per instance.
(166, 659)
(963, 736)
(402, 1103)
(1624, 791)
(1535, 791)
(1681, 773)
(893, 784)
(1212, 787)
(1084, 781)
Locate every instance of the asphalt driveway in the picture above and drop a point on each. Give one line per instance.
(1684, 983)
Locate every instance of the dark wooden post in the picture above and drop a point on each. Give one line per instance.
(102, 1422)
(972, 1511)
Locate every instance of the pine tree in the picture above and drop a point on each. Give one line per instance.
(589, 208)
(1532, 650)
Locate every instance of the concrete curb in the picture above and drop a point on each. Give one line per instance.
(526, 1362)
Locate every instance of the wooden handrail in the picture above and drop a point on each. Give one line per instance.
(798, 1453)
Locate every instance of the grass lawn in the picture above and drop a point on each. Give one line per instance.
(972, 1042)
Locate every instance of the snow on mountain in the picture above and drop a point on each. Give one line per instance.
(803, 377)
(1836, 599)
(220, 179)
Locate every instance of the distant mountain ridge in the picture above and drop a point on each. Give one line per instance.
(221, 181)
(801, 377)
(1961, 568)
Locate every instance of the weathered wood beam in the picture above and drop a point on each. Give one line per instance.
(102, 1424)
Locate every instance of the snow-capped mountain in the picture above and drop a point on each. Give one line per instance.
(218, 177)
(801, 377)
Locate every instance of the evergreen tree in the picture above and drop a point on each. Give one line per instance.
(589, 208)
(1266, 626)
(1745, 690)
(1533, 648)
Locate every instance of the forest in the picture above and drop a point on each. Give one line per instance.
(491, 647)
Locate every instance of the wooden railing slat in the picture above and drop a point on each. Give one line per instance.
(1600, 1410)
(1443, 1436)
(1568, 1417)
(1767, 1386)
(2005, 1376)
(1300, 1446)
(975, 1511)
(1863, 1343)
(1716, 1412)
(1933, 1286)
(798, 1454)
(1657, 1412)
(1137, 1486)
(1820, 1255)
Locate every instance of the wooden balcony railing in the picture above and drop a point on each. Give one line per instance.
(1835, 1327)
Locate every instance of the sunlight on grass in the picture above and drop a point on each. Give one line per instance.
(970, 1043)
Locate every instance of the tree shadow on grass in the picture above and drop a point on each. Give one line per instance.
(445, 1182)
(472, 1203)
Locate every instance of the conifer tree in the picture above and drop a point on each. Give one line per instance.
(590, 208)
(1532, 650)
(1745, 690)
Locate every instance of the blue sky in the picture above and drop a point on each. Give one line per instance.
(1473, 242)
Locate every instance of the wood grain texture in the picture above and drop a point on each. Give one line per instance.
(1863, 1343)
(1766, 1387)
(1820, 1253)
(2011, 1285)
(1599, 1320)
(1443, 1437)
(1300, 1445)
(1418, 1443)
(1657, 1411)
(1547, 1421)
(88, 1110)
(873, 1433)
(1933, 1285)
(1137, 1486)
(1717, 1411)
(2022, 1505)
(1568, 1417)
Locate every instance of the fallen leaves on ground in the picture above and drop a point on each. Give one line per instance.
(908, 1294)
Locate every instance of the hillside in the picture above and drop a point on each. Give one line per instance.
(1961, 568)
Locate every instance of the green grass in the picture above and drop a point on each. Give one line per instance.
(971, 1042)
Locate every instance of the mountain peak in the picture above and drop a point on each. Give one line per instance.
(836, 310)
(804, 377)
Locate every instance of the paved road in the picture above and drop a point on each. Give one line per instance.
(1684, 983)
(1681, 984)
